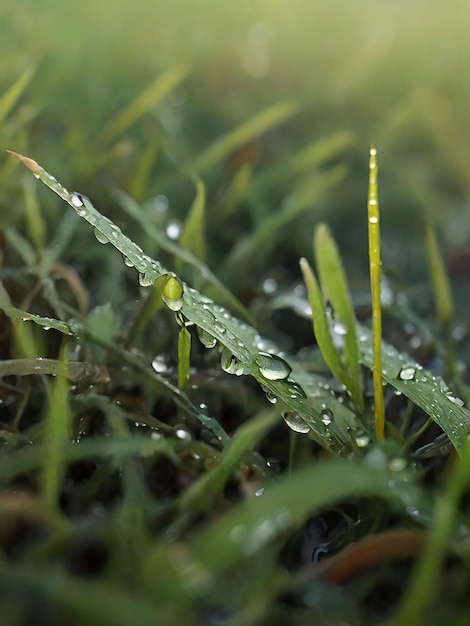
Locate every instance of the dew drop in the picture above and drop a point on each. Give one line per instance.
(160, 364)
(207, 340)
(295, 390)
(76, 200)
(295, 422)
(407, 373)
(326, 416)
(100, 236)
(373, 219)
(36, 175)
(362, 441)
(172, 293)
(145, 280)
(230, 364)
(271, 366)
(270, 397)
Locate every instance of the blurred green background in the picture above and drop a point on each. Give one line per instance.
(391, 73)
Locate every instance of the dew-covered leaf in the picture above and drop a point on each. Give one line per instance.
(298, 391)
(426, 390)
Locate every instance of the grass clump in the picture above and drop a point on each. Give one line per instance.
(171, 453)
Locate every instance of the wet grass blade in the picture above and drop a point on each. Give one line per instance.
(374, 268)
(335, 289)
(145, 101)
(423, 388)
(296, 390)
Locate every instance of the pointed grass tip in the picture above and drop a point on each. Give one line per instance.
(31, 164)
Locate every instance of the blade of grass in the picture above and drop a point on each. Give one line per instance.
(240, 340)
(192, 237)
(145, 101)
(374, 268)
(11, 96)
(426, 390)
(254, 127)
(335, 289)
(184, 357)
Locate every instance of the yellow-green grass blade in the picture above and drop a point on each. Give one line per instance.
(374, 268)
(11, 96)
(184, 357)
(192, 237)
(440, 281)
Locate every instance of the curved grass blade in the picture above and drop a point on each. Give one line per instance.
(17, 315)
(192, 237)
(298, 392)
(335, 289)
(248, 528)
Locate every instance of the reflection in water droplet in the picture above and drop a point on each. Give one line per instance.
(207, 340)
(145, 280)
(271, 366)
(294, 389)
(296, 423)
(173, 230)
(172, 293)
(259, 492)
(76, 200)
(326, 416)
(270, 397)
(362, 441)
(100, 236)
(182, 433)
(339, 328)
(397, 464)
(127, 262)
(230, 364)
(160, 364)
(407, 373)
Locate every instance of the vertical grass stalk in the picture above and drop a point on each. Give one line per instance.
(374, 267)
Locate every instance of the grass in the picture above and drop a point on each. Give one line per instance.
(182, 440)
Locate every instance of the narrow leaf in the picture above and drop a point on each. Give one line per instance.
(440, 282)
(184, 357)
(192, 237)
(11, 96)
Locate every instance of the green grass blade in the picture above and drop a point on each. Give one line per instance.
(426, 390)
(57, 424)
(374, 267)
(246, 529)
(11, 96)
(145, 101)
(199, 495)
(320, 323)
(184, 357)
(192, 237)
(296, 390)
(335, 289)
(18, 316)
(440, 282)
(254, 127)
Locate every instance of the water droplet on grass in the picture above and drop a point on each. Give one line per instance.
(160, 364)
(76, 200)
(270, 397)
(362, 441)
(326, 416)
(407, 373)
(230, 364)
(207, 340)
(271, 366)
(145, 280)
(295, 422)
(127, 262)
(102, 238)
